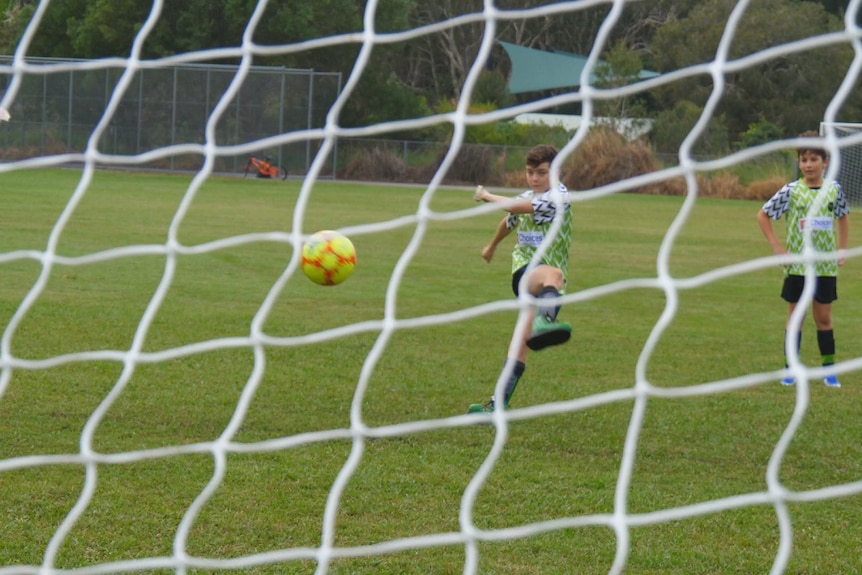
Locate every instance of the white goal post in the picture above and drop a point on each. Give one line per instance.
(849, 172)
(323, 430)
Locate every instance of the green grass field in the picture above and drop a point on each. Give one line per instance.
(272, 497)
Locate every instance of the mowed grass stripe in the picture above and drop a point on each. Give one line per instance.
(690, 450)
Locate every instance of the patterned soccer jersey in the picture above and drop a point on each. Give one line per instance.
(532, 229)
(812, 208)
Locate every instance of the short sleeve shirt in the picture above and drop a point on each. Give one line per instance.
(532, 229)
(812, 208)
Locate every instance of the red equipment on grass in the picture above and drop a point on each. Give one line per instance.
(265, 168)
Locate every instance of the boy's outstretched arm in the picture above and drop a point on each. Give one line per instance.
(515, 206)
(501, 232)
(765, 223)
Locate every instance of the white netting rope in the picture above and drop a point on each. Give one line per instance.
(621, 521)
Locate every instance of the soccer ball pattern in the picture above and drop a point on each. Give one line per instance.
(328, 258)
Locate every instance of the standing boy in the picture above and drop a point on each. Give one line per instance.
(533, 214)
(820, 206)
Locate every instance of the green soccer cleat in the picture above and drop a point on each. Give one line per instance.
(547, 333)
(481, 407)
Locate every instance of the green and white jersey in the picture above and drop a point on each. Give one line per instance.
(812, 208)
(532, 229)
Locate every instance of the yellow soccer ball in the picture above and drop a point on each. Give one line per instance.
(328, 258)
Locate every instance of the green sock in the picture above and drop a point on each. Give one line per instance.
(826, 343)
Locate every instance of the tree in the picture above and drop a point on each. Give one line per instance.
(52, 36)
(791, 91)
(450, 53)
(491, 88)
(674, 125)
(106, 27)
(621, 68)
(760, 132)
(440, 62)
(415, 74)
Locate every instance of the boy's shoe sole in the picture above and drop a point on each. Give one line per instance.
(788, 381)
(831, 381)
(555, 334)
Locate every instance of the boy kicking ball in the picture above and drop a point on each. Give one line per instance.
(532, 214)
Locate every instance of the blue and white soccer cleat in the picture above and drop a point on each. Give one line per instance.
(831, 381)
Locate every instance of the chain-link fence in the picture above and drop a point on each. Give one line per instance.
(57, 108)
(60, 102)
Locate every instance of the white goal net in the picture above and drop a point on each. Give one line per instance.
(850, 157)
(176, 397)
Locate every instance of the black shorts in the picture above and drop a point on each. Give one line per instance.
(516, 280)
(825, 290)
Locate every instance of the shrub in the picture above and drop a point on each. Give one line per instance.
(722, 185)
(475, 165)
(764, 189)
(380, 97)
(492, 88)
(605, 157)
(760, 132)
(504, 132)
(374, 164)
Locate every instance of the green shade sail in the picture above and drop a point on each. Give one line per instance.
(534, 70)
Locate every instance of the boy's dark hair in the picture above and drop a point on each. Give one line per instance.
(814, 150)
(541, 154)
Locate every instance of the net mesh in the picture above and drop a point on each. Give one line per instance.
(323, 556)
(849, 159)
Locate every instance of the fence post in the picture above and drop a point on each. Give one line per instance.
(70, 108)
(308, 118)
(281, 158)
(174, 112)
(44, 115)
(140, 113)
(236, 119)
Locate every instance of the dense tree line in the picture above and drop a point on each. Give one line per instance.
(414, 75)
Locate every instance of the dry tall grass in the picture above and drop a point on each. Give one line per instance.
(374, 165)
(604, 157)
